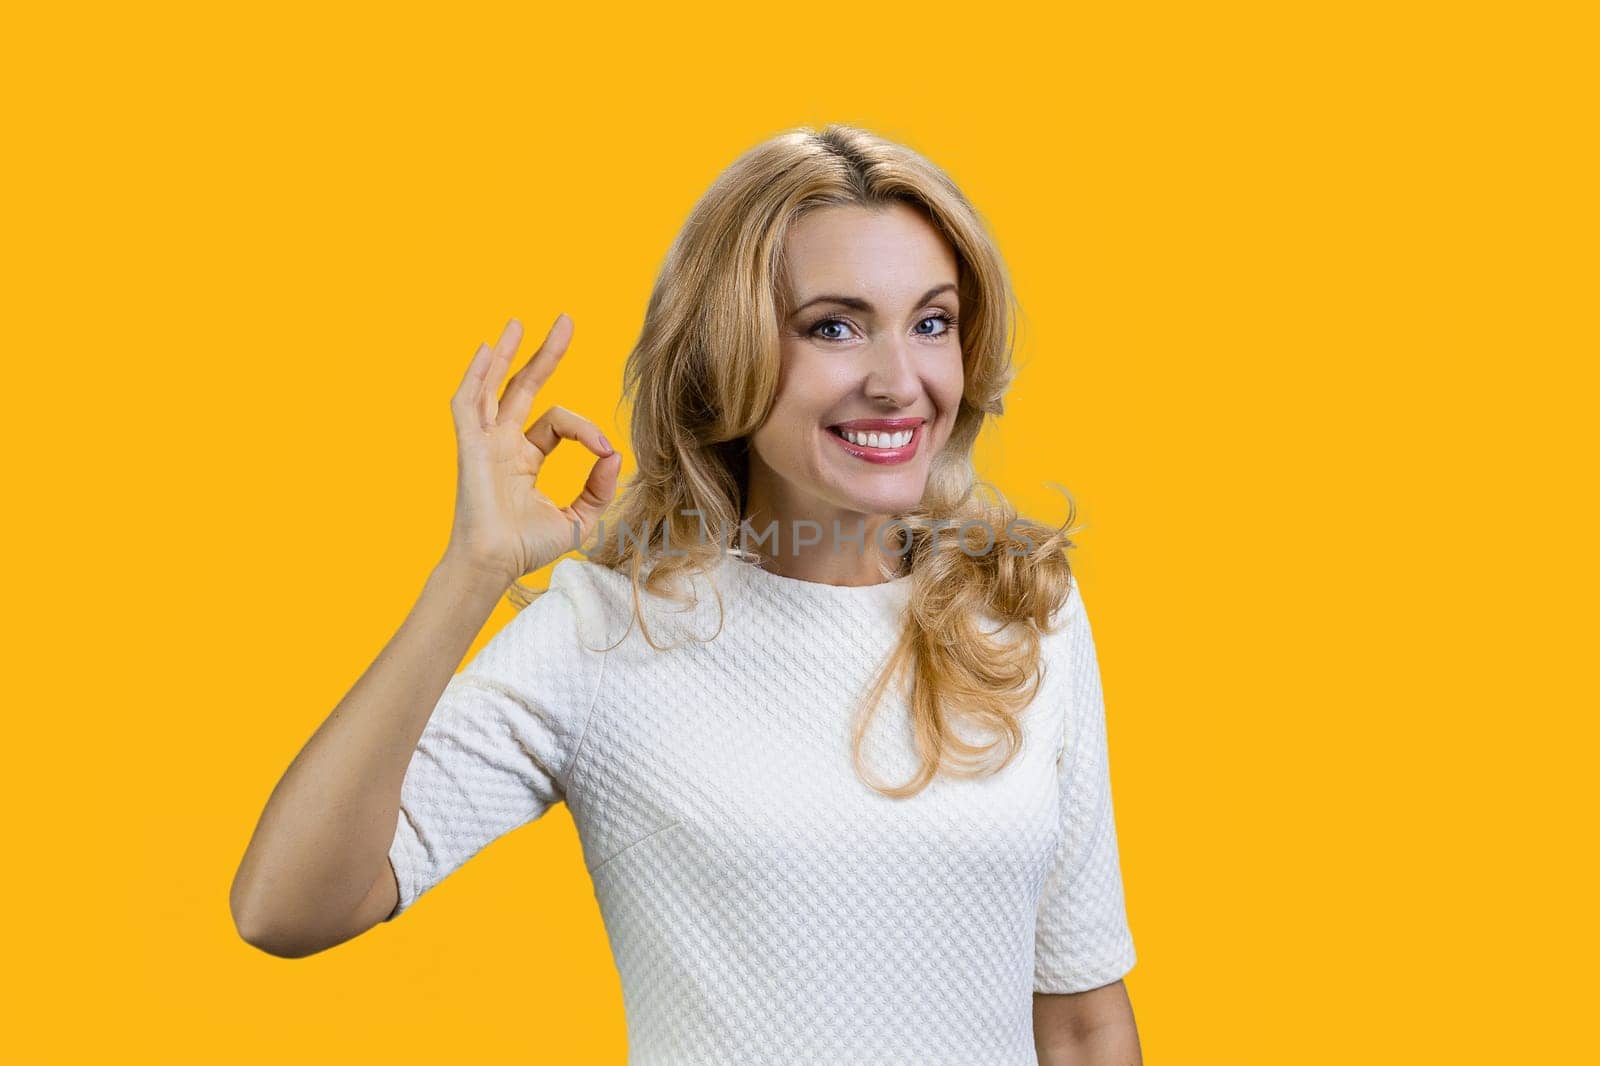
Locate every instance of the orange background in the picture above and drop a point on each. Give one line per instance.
(1310, 308)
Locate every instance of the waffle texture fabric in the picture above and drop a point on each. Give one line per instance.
(763, 904)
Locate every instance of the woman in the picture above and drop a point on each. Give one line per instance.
(799, 600)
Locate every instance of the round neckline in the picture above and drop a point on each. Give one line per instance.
(800, 584)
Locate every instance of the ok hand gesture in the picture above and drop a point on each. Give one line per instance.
(503, 523)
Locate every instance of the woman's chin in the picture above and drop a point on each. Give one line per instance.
(881, 500)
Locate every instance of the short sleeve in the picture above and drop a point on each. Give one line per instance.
(1082, 940)
(499, 744)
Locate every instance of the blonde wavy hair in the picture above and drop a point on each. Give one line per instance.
(703, 377)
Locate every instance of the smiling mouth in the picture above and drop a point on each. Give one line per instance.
(881, 441)
(876, 438)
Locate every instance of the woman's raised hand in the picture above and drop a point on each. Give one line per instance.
(503, 524)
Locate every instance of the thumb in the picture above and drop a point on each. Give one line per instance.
(598, 491)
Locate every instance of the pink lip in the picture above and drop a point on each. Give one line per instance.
(867, 425)
(886, 456)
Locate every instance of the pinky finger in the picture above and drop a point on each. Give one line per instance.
(471, 386)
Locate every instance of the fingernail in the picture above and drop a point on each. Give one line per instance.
(606, 444)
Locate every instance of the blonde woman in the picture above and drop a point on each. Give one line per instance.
(827, 718)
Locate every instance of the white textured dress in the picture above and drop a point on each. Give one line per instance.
(763, 904)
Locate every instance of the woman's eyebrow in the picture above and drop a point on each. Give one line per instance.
(856, 303)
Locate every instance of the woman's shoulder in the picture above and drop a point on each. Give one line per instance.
(586, 579)
(604, 599)
(1069, 623)
(600, 596)
(1071, 606)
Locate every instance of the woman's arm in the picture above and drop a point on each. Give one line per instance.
(1094, 1028)
(316, 872)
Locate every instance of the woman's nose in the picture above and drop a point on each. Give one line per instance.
(892, 374)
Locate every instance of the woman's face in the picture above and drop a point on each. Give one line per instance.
(870, 347)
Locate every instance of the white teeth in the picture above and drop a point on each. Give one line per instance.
(877, 440)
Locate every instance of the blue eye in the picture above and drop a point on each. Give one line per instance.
(828, 322)
(948, 319)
